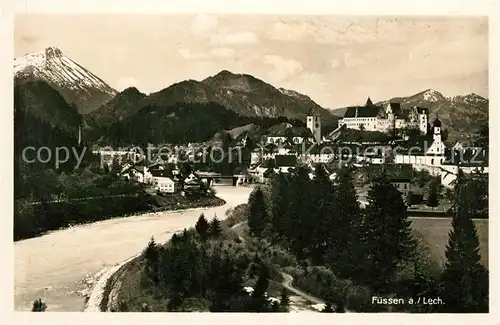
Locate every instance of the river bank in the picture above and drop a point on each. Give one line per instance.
(59, 215)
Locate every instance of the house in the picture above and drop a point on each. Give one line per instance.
(285, 132)
(194, 187)
(371, 117)
(402, 184)
(321, 153)
(141, 174)
(400, 176)
(163, 181)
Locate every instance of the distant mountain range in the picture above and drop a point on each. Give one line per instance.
(221, 102)
(76, 84)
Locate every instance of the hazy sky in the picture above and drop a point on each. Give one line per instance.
(335, 60)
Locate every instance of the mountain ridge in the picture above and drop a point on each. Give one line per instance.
(461, 115)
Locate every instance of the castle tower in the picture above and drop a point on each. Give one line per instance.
(314, 124)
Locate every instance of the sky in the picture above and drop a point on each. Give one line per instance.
(336, 60)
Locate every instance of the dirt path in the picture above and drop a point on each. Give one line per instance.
(287, 283)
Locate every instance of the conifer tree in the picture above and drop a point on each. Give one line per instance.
(387, 238)
(258, 216)
(39, 306)
(202, 227)
(285, 300)
(151, 254)
(280, 202)
(464, 282)
(300, 219)
(215, 227)
(321, 218)
(259, 302)
(151, 251)
(345, 253)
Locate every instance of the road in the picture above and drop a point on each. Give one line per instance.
(56, 266)
(287, 279)
(287, 283)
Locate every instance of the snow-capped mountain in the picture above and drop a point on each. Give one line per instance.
(75, 83)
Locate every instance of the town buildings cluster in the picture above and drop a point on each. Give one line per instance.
(404, 137)
(416, 143)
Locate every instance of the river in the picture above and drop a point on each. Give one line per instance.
(59, 265)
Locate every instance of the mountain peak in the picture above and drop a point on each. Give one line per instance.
(130, 90)
(53, 52)
(75, 83)
(432, 95)
(225, 73)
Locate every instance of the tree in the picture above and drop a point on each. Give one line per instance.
(279, 205)
(151, 251)
(345, 253)
(39, 306)
(302, 223)
(464, 282)
(215, 227)
(317, 225)
(258, 217)
(202, 227)
(387, 238)
(258, 301)
(433, 199)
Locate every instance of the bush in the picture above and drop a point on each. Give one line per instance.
(236, 215)
(320, 281)
(359, 299)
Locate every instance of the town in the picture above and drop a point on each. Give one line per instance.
(405, 143)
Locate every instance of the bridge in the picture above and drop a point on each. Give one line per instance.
(219, 179)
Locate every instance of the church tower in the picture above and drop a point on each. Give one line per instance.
(314, 124)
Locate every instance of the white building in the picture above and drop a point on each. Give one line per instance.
(140, 173)
(164, 182)
(283, 132)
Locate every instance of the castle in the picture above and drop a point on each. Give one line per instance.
(384, 118)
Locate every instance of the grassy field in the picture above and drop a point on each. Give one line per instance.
(436, 231)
